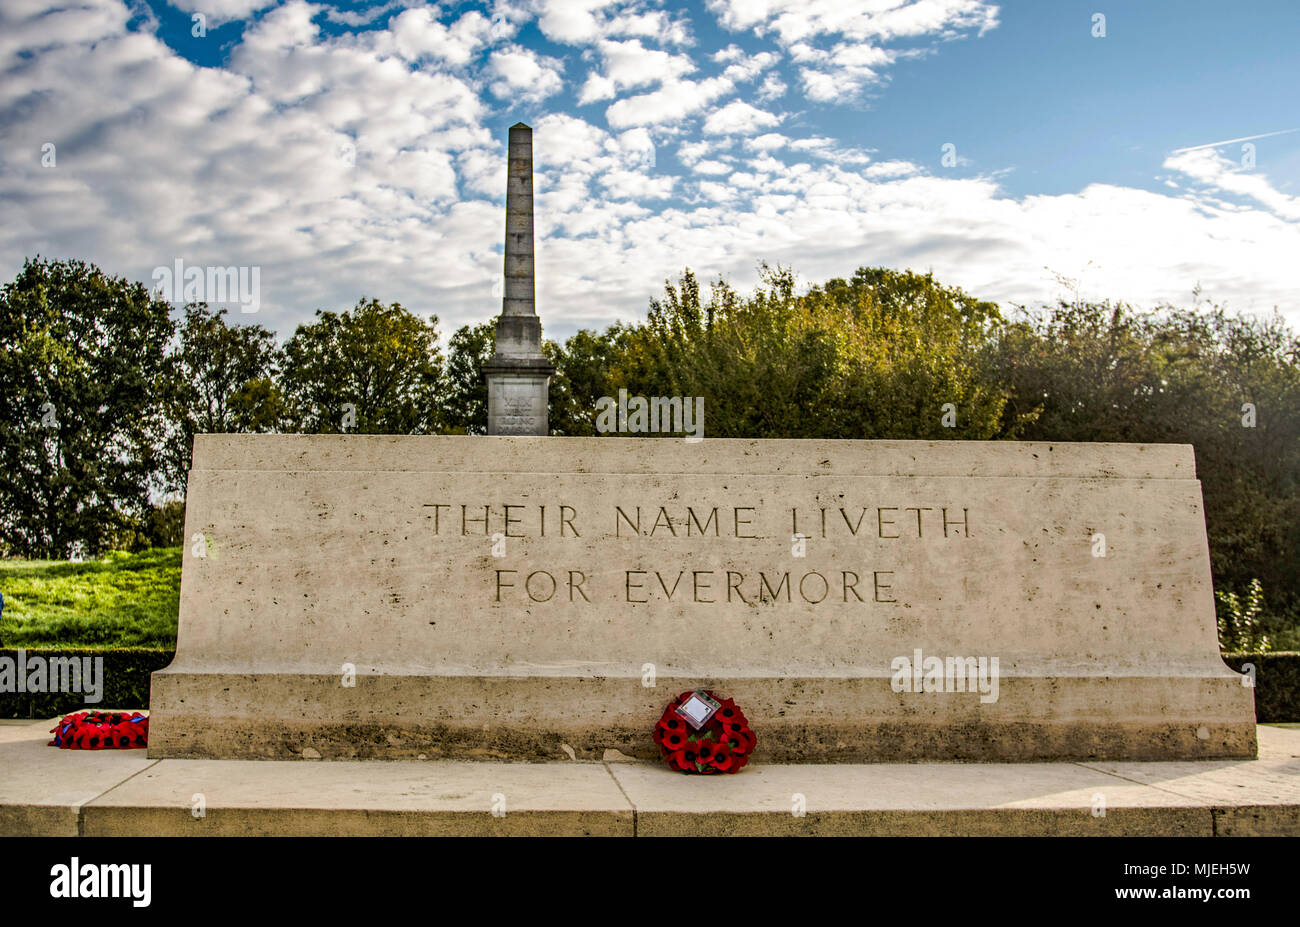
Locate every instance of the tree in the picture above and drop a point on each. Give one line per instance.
(883, 355)
(219, 378)
(376, 370)
(80, 371)
(913, 359)
(1239, 630)
(465, 405)
(583, 366)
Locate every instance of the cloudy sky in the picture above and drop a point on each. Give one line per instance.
(351, 149)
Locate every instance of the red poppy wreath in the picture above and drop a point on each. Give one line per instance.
(101, 730)
(700, 733)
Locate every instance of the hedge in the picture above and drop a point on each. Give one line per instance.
(1277, 683)
(126, 683)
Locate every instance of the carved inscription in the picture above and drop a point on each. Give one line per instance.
(764, 533)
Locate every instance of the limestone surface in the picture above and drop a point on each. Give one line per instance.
(523, 598)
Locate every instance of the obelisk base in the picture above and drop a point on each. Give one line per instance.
(517, 395)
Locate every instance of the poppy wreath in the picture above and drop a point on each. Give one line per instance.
(101, 730)
(722, 745)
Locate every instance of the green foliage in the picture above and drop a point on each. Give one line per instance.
(122, 600)
(783, 365)
(81, 364)
(220, 378)
(126, 683)
(1239, 628)
(908, 347)
(763, 364)
(1277, 684)
(584, 369)
(374, 370)
(465, 406)
(162, 526)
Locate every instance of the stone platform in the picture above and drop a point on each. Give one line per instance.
(45, 791)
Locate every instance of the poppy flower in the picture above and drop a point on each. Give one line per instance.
(671, 723)
(737, 743)
(684, 759)
(705, 749)
(734, 727)
(721, 760)
(673, 740)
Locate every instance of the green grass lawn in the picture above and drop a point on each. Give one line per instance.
(123, 600)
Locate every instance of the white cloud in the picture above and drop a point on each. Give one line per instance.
(773, 89)
(416, 34)
(891, 169)
(739, 118)
(1213, 170)
(33, 25)
(842, 72)
(571, 154)
(597, 87)
(829, 150)
(364, 17)
(655, 24)
(769, 141)
(363, 164)
(795, 20)
(672, 103)
(841, 46)
(690, 152)
(524, 74)
(711, 167)
(637, 185)
(222, 11)
(717, 192)
(630, 64)
(326, 162)
(581, 22)
(750, 66)
(571, 21)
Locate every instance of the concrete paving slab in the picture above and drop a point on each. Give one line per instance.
(1249, 797)
(42, 788)
(905, 800)
(1278, 741)
(361, 798)
(12, 729)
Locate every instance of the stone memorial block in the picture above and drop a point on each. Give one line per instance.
(525, 597)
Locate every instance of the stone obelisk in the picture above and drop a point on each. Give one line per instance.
(519, 375)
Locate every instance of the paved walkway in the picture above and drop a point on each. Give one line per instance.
(48, 791)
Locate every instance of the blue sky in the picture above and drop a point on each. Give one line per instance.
(357, 148)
